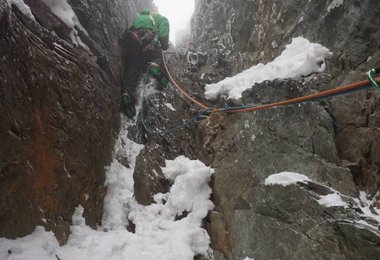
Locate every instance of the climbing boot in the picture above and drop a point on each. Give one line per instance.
(126, 106)
(155, 71)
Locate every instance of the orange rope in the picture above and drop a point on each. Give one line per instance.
(199, 104)
(306, 98)
(275, 104)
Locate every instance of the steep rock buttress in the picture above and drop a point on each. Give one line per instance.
(334, 143)
(59, 109)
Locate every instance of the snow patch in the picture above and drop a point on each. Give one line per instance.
(335, 198)
(176, 167)
(170, 106)
(246, 124)
(63, 10)
(332, 200)
(285, 178)
(334, 4)
(300, 58)
(146, 88)
(366, 205)
(190, 191)
(119, 180)
(158, 235)
(169, 229)
(24, 8)
(274, 44)
(77, 217)
(38, 245)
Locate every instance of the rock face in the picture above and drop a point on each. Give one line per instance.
(275, 222)
(334, 143)
(252, 219)
(262, 27)
(59, 111)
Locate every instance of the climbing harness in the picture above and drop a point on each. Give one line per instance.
(145, 38)
(206, 110)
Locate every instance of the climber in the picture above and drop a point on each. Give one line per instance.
(142, 46)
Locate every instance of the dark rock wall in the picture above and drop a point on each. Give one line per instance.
(275, 222)
(237, 34)
(59, 112)
(264, 27)
(335, 143)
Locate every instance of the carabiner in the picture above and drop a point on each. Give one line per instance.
(370, 75)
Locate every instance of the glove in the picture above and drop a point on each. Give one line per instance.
(154, 70)
(164, 81)
(126, 106)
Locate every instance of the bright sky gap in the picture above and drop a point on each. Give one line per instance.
(178, 12)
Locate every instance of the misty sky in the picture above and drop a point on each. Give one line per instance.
(178, 12)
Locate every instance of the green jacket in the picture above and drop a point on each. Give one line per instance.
(156, 22)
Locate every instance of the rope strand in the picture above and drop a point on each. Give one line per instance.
(198, 103)
(341, 90)
(323, 94)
